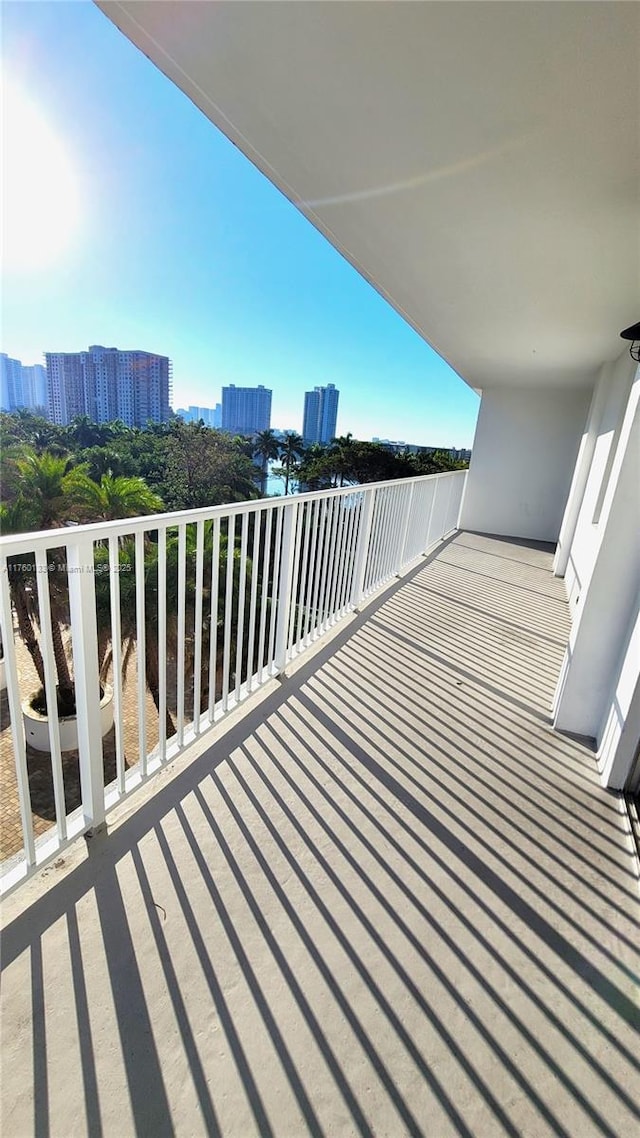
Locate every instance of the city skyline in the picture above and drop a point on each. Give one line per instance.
(16, 377)
(216, 270)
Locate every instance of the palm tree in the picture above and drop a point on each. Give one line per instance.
(291, 449)
(16, 518)
(10, 454)
(51, 494)
(101, 460)
(117, 428)
(84, 432)
(115, 497)
(32, 430)
(341, 457)
(47, 483)
(266, 447)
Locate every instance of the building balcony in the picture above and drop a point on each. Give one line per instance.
(378, 894)
(356, 857)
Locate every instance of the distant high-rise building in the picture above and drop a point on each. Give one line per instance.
(246, 410)
(107, 384)
(20, 386)
(195, 414)
(10, 383)
(34, 386)
(65, 386)
(320, 414)
(210, 416)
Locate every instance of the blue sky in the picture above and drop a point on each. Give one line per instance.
(154, 232)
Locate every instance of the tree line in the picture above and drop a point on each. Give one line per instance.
(185, 465)
(344, 462)
(182, 465)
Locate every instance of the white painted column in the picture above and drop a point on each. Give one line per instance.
(580, 475)
(605, 613)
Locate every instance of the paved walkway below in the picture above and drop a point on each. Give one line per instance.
(39, 762)
(387, 901)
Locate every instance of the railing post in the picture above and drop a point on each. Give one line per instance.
(405, 531)
(284, 587)
(15, 716)
(465, 475)
(364, 537)
(84, 639)
(431, 508)
(445, 521)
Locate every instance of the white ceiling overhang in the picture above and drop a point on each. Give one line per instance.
(478, 163)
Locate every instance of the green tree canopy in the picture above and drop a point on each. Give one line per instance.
(205, 468)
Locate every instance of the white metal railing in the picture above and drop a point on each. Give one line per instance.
(205, 605)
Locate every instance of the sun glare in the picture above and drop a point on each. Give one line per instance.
(40, 210)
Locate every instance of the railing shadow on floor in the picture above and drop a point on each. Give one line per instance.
(348, 805)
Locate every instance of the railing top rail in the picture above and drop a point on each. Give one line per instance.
(14, 544)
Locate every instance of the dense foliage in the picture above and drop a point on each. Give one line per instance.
(185, 464)
(345, 461)
(348, 461)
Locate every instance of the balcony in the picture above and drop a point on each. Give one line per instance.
(343, 874)
(374, 894)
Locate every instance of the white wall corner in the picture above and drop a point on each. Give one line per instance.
(523, 459)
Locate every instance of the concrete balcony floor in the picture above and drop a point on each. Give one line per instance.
(388, 900)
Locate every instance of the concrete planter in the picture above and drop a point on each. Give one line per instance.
(36, 726)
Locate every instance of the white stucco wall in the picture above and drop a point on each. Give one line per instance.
(580, 536)
(523, 461)
(600, 672)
